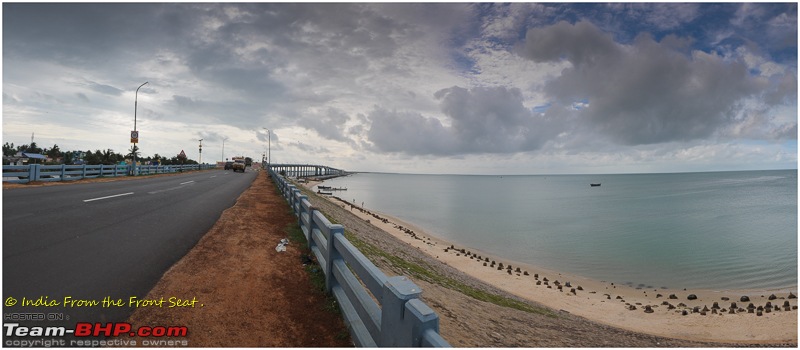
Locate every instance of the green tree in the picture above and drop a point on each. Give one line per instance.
(54, 152)
(33, 148)
(92, 158)
(110, 157)
(8, 149)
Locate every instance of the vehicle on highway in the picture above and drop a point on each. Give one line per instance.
(228, 165)
(238, 164)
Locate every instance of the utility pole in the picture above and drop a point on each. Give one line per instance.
(201, 151)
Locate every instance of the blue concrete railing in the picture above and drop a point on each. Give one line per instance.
(388, 312)
(38, 172)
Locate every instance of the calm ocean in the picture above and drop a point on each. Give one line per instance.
(716, 230)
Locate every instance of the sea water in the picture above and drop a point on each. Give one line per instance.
(714, 230)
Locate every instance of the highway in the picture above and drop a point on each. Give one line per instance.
(90, 241)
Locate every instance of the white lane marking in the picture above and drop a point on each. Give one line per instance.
(172, 188)
(165, 190)
(107, 197)
(213, 176)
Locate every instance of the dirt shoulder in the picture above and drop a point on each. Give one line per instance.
(248, 294)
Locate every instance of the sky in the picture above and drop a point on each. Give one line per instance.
(452, 88)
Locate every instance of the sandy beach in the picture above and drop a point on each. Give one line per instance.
(695, 315)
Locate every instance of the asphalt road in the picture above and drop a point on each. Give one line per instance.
(111, 239)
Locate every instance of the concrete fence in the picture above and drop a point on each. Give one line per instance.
(378, 310)
(38, 172)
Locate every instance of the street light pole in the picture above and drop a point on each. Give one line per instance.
(135, 107)
(201, 152)
(269, 147)
(223, 148)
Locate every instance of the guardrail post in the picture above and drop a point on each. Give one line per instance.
(332, 255)
(63, 171)
(397, 291)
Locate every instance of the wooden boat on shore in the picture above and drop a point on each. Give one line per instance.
(595, 185)
(324, 193)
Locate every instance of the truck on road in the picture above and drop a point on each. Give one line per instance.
(238, 164)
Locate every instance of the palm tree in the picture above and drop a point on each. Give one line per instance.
(134, 150)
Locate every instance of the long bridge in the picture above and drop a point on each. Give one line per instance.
(306, 170)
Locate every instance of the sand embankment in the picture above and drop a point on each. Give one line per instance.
(662, 312)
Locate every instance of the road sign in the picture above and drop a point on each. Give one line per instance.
(182, 154)
(134, 136)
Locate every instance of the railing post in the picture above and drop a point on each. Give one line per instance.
(63, 171)
(296, 200)
(101, 171)
(83, 171)
(311, 226)
(33, 173)
(420, 319)
(332, 255)
(397, 291)
(300, 213)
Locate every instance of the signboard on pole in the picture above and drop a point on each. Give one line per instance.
(182, 155)
(134, 136)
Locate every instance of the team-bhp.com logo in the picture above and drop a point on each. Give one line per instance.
(86, 329)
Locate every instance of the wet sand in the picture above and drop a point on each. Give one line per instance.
(644, 309)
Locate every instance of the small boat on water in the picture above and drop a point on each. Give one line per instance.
(595, 185)
(324, 193)
(324, 187)
(337, 188)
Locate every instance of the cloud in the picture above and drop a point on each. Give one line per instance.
(262, 135)
(104, 89)
(329, 124)
(481, 120)
(81, 96)
(309, 148)
(8, 99)
(661, 16)
(642, 93)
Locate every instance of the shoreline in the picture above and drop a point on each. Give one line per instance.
(651, 311)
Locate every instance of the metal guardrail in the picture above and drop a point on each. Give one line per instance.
(38, 172)
(388, 312)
